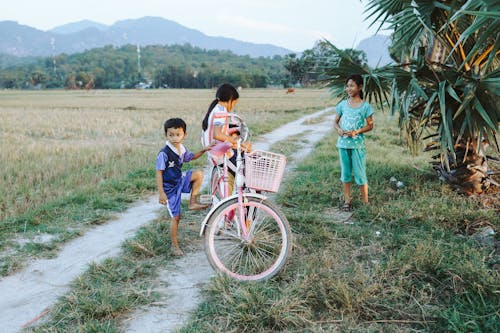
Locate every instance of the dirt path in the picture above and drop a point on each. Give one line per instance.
(180, 284)
(26, 295)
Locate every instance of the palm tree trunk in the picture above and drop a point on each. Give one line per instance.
(468, 173)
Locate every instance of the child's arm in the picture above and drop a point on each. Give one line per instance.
(336, 124)
(220, 136)
(159, 184)
(201, 152)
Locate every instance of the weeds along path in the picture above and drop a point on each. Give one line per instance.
(26, 296)
(181, 282)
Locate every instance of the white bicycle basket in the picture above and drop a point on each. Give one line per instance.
(264, 170)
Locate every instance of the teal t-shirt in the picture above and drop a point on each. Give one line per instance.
(352, 119)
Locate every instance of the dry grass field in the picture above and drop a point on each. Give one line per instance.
(408, 262)
(55, 143)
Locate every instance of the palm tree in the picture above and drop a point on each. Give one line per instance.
(445, 85)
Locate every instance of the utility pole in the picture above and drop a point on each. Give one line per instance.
(53, 44)
(139, 60)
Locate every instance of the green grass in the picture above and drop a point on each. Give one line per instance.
(403, 264)
(92, 155)
(99, 298)
(79, 210)
(100, 295)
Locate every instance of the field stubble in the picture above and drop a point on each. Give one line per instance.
(402, 264)
(71, 144)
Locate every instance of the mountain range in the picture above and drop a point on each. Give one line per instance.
(377, 50)
(22, 41)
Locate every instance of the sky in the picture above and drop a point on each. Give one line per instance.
(293, 24)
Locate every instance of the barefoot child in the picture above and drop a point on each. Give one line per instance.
(170, 180)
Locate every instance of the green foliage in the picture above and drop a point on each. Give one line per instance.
(175, 66)
(447, 80)
(310, 67)
(401, 264)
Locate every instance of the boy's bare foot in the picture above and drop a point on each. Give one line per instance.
(197, 206)
(177, 252)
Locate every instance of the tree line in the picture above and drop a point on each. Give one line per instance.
(173, 66)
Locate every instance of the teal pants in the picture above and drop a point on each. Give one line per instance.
(353, 162)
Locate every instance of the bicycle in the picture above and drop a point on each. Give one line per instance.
(245, 235)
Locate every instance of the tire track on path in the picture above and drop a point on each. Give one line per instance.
(181, 282)
(27, 295)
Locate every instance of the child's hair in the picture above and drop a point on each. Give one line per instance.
(175, 123)
(225, 93)
(358, 79)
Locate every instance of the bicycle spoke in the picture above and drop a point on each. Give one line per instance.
(229, 254)
(257, 257)
(259, 261)
(235, 260)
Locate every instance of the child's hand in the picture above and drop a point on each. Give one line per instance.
(352, 134)
(163, 199)
(209, 147)
(247, 146)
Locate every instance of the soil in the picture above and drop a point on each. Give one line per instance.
(28, 294)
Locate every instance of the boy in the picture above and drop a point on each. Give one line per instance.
(170, 180)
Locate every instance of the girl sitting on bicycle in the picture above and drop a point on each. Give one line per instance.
(217, 126)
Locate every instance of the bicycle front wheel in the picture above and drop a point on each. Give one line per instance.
(258, 256)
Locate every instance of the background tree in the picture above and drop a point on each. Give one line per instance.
(312, 63)
(294, 67)
(358, 56)
(179, 66)
(446, 85)
(37, 78)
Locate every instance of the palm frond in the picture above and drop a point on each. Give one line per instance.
(377, 82)
(448, 82)
(477, 24)
(382, 10)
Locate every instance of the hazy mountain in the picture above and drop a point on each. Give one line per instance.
(78, 26)
(376, 49)
(21, 40)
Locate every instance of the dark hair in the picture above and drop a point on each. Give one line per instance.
(225, 93)
(358, 79)
(233, 126)
(175, 123)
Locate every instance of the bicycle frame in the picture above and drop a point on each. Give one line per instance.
(245, 235)
(239, 186)
(222, 174)
(205, 220)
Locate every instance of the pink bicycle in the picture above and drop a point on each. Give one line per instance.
(245, 235)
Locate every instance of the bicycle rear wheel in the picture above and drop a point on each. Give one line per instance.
(258, 257)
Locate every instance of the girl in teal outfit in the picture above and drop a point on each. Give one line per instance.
(353, 118)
